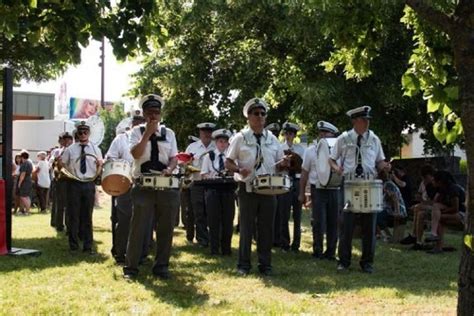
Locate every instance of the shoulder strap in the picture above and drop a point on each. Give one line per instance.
(212, 155)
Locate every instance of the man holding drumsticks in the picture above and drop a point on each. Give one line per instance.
(361, 154)
(252, 152)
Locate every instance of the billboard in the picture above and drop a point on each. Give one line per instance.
(84, 108)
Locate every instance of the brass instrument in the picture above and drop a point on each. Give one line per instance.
(64, 172)
(295, 161)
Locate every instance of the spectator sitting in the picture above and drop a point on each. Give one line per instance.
(449, 208)
(393, 204)
(425, 196)
(404, 183)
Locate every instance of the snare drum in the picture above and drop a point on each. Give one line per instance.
(271, 185)
(158, 182)
(326, 176)
(116, 177)
(363, 196)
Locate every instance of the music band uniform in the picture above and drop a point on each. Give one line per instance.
(80, 205)
(149, 204)
(198, 206)
(371, 154)
(220, 199)
(289, 202)
(325, 202)
(258, 153)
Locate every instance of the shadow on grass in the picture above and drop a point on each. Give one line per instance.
(54, 253)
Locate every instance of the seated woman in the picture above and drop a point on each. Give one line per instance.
(393, 204)
(449, 208)
(424, 197)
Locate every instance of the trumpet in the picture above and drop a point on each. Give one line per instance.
(64, 172)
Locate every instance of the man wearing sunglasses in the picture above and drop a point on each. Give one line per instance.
(153, 147)
(79, 160)
(252, 152)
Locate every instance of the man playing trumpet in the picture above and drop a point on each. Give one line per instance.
(78, 160)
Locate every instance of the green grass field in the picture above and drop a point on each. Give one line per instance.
(404, 282)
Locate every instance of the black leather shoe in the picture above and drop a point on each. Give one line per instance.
(318, 256)
(267, 272)
(164, 275)
(242, 272)
(342, 268)
(367, 268)
(129, 277)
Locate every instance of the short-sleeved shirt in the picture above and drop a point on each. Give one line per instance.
(346, 149)
(71, 158)
(211, 167)
(198, 149)
(44, 180)
(390, 186)
(120, 148)
(26, 185)
(243, 150)
(453, 191)
(167, 148)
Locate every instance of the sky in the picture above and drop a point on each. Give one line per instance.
(83, 81)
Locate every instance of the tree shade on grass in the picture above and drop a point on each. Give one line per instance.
(58, 282)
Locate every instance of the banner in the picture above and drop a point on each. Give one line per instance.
(85, 108)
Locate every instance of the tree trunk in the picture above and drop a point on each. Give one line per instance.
(463, 47)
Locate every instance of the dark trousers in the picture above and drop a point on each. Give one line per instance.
(286, 203)
(368, 224)
(325, 210)
(149, 205)
(80, 207)
(121, 225)
(187, 214)
(220, 215)
(42, 194)
(61, 214)
(54, 200)
(277, 224)
(200, 215)
(256, 209)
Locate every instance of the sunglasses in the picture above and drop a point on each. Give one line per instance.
(82, 133)
(259, 113)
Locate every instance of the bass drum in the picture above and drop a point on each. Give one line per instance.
(116, 177)
(326, 176)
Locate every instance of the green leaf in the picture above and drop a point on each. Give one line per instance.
(446, 110)
(411, 84)
(439, 130)
(452, 92)
(432, 106)
(33, 3)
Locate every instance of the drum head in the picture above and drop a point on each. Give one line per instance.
(323, 169)
(116, 185)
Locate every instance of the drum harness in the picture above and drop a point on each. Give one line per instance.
(154, 166)
(359, 172)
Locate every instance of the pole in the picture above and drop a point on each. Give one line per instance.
(7, 123)
(102, 73)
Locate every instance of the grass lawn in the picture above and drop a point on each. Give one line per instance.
(57, 282)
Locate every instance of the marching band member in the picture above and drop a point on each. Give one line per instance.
(289, 201)
(59, 185)
(198, 149)
(325, 201)
(153, 147)
(122, 205)
(220, 204)
(81, 204)
(254, 151)
(358, 140)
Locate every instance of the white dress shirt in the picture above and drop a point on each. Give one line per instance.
(198, 149)
(209, 167)
(71, 159)
(346, 148)
(243, 151)
(167, 148)
(120, 148)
